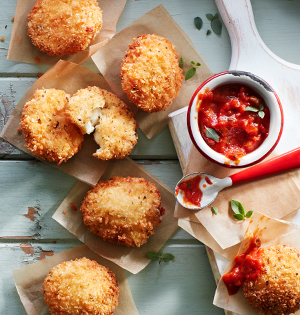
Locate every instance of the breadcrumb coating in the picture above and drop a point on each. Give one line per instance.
(277, 290)
(48, 131)
(59, 27)
(95, 109)
(122, 210)
(150, 73)
(81, 287)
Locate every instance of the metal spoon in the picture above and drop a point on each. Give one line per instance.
(210, 185)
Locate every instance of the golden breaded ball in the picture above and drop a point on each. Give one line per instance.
(122, 210)
(113, 123)
(59, 27)
(48, 131)
(81, 287)
(277, 290)
(150, 73)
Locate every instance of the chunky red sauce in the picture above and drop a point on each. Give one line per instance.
(240, 131)
(191, 190)
(248, 266)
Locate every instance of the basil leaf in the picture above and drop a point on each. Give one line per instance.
(190, 73)
(198, 22)
(239, 216)
(160, 253)
(192, 62)
(216, 16)
(167, 257)
(152, 255)
(209, 16)
(216, 26)
(198, 64)
(261, 114)
(214, 210)
(251, 109)
(237, 207)
(208, 32)
(249, 214)
(261, 106)
(211, 134)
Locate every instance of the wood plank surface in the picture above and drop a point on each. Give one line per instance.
(30, 191)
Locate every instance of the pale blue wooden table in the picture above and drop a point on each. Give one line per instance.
(31, 191)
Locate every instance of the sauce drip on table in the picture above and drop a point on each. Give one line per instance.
(248, 266)
(238, 116)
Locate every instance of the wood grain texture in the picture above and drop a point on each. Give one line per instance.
(31, 191)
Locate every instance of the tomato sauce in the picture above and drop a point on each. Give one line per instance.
(234, 112)
(191, 190)
(209, 182)
(248, 266)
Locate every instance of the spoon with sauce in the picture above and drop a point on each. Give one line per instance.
(196, 191)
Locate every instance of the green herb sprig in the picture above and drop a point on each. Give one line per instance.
(161, 256)
(181, 63)
(192, 70)
(215, 23)
(239, 212)
(259, 110)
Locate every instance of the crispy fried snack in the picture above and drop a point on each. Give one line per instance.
(48, 131)
(122, 210)
(59, 27)
(277, 290)
(80, 287)
(150, 73)
(95, 109)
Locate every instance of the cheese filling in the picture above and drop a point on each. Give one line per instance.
(89, 127)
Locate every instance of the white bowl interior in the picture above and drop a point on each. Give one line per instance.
(275, 118)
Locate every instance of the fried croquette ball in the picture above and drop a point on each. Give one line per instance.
(95, 109)
(122, 210)
(59, 27)
(277, 289)
(80, 287)
(150, 73)
(48, 131)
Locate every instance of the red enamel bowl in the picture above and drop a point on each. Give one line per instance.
(264, 90)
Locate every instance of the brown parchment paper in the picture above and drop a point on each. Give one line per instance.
(132, 259)
(271, 232)
(275, 196)
(109, 58)
(21, 49)
(29, 281)
(198, 231)
(69, 77)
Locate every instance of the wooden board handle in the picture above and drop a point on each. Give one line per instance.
(238, 18)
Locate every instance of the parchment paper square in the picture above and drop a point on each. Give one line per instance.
(132, 259)
(21, 49)
(29, 281)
